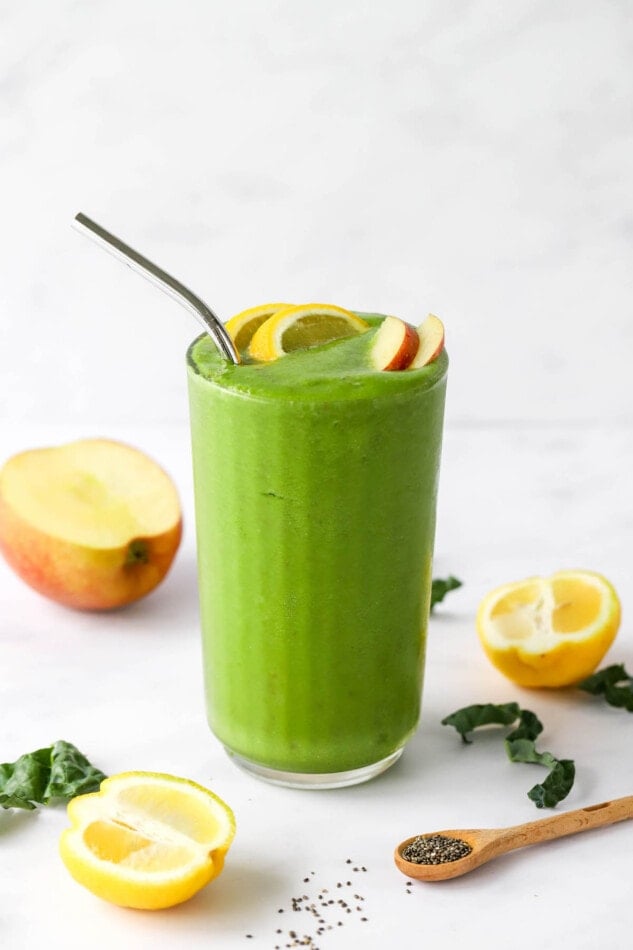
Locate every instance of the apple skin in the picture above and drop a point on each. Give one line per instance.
(74, 573)
(395, 345)
(431, 334)
(82, 577)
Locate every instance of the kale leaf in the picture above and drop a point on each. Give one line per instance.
(440, 587)
(614, 683)
(482, 714)
(557, 785)
(520, 746)
(59, 772)
(530, 726)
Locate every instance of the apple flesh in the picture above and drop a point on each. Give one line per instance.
(431, 334)
(395, 345)
(93, 524)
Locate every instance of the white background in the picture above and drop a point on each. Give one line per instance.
(469, 158)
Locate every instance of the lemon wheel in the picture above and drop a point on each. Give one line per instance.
(243, 326)
(300, 327)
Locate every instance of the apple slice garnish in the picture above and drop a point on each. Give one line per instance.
(431, 334)
(395, 344)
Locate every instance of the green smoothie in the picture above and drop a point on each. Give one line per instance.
(315, 487)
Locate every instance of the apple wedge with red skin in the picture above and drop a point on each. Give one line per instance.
(93, 524)
(395, 345)
(431, 335)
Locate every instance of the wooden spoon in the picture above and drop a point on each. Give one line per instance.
(488, 843)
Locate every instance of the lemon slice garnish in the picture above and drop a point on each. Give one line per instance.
(301, 327)
(243, 325)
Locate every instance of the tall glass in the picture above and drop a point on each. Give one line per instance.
(315, 512)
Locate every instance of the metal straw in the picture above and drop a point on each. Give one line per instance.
(212, 324)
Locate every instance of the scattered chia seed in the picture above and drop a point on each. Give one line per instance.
(325, 911)
(436, 849)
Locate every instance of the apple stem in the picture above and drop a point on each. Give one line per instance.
(137, 552)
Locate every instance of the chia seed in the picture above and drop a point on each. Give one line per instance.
(435, 849)
(323, 909)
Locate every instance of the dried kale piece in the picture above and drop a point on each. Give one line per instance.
(614, 683)
(440, 587)
(520, 745)
(482, 714)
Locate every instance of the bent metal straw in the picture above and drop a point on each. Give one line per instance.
(163, 280)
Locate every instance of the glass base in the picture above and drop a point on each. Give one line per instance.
(314, 780)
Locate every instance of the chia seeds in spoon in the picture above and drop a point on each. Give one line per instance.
(435, 849)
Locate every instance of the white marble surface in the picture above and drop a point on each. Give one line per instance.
(469, 158)
(126, 688)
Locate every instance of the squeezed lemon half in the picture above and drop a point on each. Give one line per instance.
(147, 840)
(549, 631)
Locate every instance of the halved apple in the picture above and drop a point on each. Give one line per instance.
(94, 524)
(395, 344)
(431, 334)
